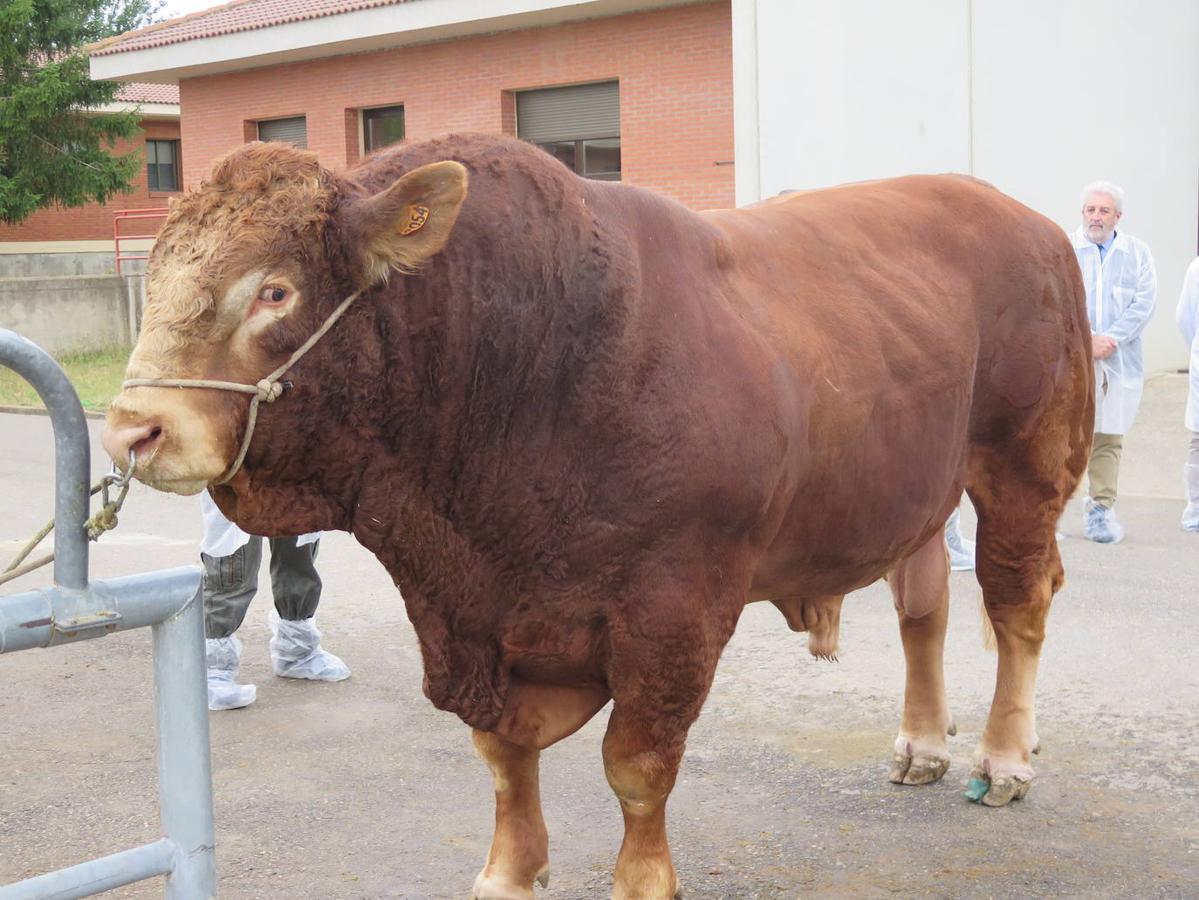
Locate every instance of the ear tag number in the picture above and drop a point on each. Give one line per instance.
(417, 216)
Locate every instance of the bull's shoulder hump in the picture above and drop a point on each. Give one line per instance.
(648, 218)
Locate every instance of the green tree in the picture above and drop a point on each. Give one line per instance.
(55, 144)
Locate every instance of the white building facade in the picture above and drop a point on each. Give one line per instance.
(1038, 97)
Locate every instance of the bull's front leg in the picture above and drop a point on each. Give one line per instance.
(641, 772)
(920, 588)
(519, 852)
(535, 716)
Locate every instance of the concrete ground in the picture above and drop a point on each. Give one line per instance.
(362, 790)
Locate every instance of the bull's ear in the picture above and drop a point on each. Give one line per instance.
(403, 226)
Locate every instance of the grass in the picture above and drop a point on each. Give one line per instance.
(96, 374)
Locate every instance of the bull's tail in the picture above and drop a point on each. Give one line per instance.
(988, 630)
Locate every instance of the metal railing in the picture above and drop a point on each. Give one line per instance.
(133, 215)
(73, 610)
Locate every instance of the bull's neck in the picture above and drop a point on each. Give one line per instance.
(495, 337)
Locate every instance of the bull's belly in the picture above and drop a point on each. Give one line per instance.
(843, 557)
(799, 580)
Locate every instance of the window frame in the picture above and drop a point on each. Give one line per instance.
(545, 138)
(363, 113)
(155, 167)
(579, 167)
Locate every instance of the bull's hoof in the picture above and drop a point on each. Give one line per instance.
(619, 893)
(497, 887)
(919, 769)
(999, 790)
(919, 760)
(495, 892)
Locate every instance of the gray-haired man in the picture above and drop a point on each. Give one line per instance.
(1121, 285)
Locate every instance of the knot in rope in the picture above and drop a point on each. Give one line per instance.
(269, 391)
(104, 520)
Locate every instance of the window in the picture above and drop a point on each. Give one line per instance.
(580, 126)
(162, 165)
(288, 131)
(381, 127)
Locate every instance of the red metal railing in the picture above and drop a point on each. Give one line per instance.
(126, 215)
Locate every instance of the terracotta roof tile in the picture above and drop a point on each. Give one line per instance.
(240, 15)
(140, 92)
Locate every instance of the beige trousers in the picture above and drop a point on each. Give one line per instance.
(1104, 470)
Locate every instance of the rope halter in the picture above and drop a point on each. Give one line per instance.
(267, 390)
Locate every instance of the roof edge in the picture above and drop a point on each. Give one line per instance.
(357, 31)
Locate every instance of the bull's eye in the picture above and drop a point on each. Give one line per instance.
(273, 293)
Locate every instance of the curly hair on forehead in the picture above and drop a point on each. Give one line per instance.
(261, 203)
(272, 185)
(259, 197)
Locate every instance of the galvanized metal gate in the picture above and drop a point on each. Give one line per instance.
(73, 610)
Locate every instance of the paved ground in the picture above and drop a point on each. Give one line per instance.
(363, 790)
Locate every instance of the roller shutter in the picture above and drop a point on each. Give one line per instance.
(287, 131)
(569, 113)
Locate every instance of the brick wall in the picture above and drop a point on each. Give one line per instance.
(676, 104)
(676, 94)
(94, 222)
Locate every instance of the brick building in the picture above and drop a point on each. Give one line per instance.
(88, 229)
(632, 90)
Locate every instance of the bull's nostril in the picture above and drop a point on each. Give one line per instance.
(146, 445)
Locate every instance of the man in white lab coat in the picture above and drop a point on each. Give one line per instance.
(1188, 322)
(231, 560)
(1121, 284)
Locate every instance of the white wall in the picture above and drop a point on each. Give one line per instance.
(848, 91)
(1038, 98)
(1076, 90)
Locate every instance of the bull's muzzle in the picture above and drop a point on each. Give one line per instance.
(143, 439)
(174, 444)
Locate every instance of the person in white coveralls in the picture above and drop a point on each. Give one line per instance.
(1188, 322)
(1121, 285)
(231, 559)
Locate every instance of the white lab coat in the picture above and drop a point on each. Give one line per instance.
(222, 537)
(1188, 322)
(1121, 296)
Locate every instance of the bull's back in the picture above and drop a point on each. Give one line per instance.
(910, 318)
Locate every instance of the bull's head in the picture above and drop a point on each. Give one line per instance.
(244, 270)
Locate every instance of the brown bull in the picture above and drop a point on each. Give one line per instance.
(583, 426)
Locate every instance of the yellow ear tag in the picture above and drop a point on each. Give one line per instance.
(417, 216)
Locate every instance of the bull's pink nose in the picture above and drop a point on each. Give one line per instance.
(120, 439)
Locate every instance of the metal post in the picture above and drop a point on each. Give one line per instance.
(184, 764)
(73, 610)
(72, 452)
(131, 307)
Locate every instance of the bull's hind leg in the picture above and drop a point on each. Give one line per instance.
(535, 716)
(1019, 568)
(920, 587)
